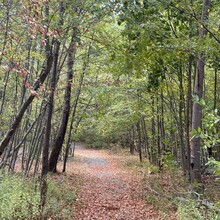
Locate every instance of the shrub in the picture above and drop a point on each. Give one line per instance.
(190, 211)
(58, 198)
(19, 199)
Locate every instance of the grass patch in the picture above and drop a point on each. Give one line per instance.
(141, 167)
(60, 196)
(168, 191)
(191, 211)
(20, 198)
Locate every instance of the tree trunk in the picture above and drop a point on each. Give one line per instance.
(215, 87)
(153, 135)
(49, 112)
(146, 144)
(162, 128)
(181, 101)
(132, 134)
(197, 109)
(58, 142)
(159, 164)
(75, 104)
(188, 113)
(139, 147)
(25, 105)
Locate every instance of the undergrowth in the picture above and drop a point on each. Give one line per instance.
(169, 192)
(20, 199)
(59, 198)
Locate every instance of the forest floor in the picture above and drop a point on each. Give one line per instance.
(106, 188)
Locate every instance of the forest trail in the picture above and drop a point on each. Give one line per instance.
(107, 189)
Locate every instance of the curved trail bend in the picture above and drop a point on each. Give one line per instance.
(107, 190)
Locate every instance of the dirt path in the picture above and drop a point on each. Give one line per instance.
(107, 189)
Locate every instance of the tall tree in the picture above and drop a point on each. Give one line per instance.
(197, 108)
(58, 142)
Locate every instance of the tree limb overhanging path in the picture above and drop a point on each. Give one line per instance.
(107, 189)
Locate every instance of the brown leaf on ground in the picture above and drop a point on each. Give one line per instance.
(108, 190)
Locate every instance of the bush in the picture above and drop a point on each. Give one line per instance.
(58, 198)
(19, 199)
(190, 211)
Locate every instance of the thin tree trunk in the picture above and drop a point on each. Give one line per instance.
(139, 147)
(74, 111)
(70, 134)
(7, 16)
(145, 138)
(158, 136)
(18, 118)
(215, 87)
(132, 147)
(188, 113)
(181, 101)
(162, 129)
(46, 137)
(3, 94)
(49, 113)
(153, 134)
(58, 142)
(47, 134)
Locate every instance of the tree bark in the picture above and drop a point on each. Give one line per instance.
(153, 134)
(215, 87)
(49, 112)
(58, 142)
(181, 102)
(197, 108)
(18, 118)
(158, 135)
(188, 113)
(146, 144)
(132, 134)
(75, 104)
(139, 141)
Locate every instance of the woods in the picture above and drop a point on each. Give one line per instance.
(138, 75)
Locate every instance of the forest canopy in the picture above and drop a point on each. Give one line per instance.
(143, 75)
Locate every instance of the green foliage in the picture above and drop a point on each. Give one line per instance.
(59, 196)
(19, 198)
(169, 161)
(152, 169)
(110, 122)
(146, 166)
(216, 166)
(191, 211)
(169, 191)
(210, 136)
(196, 99)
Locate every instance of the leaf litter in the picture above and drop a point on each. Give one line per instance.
(107, 189)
